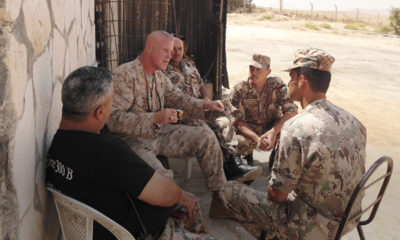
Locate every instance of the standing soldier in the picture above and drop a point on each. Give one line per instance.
(183, 74)
(262, 106)
(145, 101)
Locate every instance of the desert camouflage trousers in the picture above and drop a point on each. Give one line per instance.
(253, 210)
(288, 220)
(223, 130)
(186, 229)
(184, 142)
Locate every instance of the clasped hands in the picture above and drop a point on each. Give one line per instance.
(267, 141)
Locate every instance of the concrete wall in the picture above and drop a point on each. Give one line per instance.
(41, 41)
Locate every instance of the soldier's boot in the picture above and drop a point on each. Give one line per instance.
(236, 169)
(249, 159)
(218, 209)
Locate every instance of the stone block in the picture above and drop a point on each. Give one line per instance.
(31, 226)
(85, 14)
(13, 7)
(58, 56)
(37, 23)
(78, 15)
(82, 50)
(91, 10)
(90, 43)
(59, 13)
(17, 69)
(54, 119)
(70, 15)
(43, 91)
(24, 157)
(72, 52)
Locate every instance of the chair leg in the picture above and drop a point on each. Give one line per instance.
(360, 232)
(164, 161)
(188, 168)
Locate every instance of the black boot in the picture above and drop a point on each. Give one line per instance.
(249, 159)
(236, 169)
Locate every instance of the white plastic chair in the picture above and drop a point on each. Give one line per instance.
(77, 218)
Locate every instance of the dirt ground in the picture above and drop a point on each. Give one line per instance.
(365, 81)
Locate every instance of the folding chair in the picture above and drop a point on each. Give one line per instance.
(77, 218)
(361, 187)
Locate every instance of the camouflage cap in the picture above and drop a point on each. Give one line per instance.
(260, 61)
(312, 58)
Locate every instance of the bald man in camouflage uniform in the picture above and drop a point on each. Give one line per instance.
(320, 161)
(262, 106)
(183, 74)
(145, 101)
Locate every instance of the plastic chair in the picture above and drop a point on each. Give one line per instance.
(77, 218)
(361, 187)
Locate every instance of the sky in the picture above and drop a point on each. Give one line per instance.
(370, 5)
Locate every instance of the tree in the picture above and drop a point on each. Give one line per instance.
(236, 4)
(395, 20)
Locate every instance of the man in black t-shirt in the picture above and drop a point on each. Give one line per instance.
(101, 171)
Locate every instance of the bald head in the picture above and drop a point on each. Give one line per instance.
(157, 52)
(177, 54)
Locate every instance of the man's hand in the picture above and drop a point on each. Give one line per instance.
(262, 143)
(270, 139)
(165, 116)
(214, 106)
(187, 200)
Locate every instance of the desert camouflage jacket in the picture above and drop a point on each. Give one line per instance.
(187, 78)
(137, 97)
(321, 158)
(261, 109)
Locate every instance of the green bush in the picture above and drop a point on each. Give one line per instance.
(267, 17)
(311, 26)
(395, 20)
(355, 26)
(325, 25)
(383, 29)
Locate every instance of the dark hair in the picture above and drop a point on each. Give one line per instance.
(85, 89)
(319, 80)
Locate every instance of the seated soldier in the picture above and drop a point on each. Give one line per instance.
(320, 161)
(262, 106)
(183, 74)
(104, 173)
(145, 102)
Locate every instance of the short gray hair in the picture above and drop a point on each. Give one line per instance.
(85, 89)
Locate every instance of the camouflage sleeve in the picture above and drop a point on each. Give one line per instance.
(237, 105)
(174, 98)
(122, 120)
(198, 76)
(287, 168)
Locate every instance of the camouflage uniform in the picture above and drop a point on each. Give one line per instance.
(189, 81)
(187, 78)
(321, 159)
(136, 98)
(260, 110)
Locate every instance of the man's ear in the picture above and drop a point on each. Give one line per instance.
(302, 81)
(99, 112)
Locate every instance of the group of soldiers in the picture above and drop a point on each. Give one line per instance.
(314, 168)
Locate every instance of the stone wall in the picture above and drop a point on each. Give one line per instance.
(41, 41)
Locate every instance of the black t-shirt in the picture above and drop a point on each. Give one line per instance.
(99, 170)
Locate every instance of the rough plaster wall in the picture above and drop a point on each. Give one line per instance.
(41, 41)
